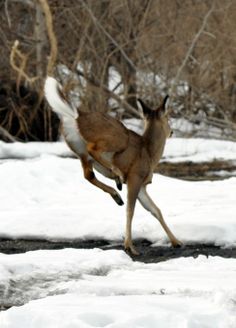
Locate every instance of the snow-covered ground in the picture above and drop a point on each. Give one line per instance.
(46, 196)
(176, 149)
(94, 288)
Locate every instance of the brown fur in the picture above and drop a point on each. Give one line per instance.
(103, 143)
(132, 157)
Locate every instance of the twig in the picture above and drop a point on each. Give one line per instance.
(102, 87)
(15, 52)
(108, 35)
(6, 134)
(7, 13)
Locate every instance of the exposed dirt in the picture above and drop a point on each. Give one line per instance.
(148, 253)
(214, 170)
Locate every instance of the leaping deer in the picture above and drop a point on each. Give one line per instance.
(104, 143)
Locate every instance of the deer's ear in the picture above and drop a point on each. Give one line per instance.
(145, 109)
(163, 109)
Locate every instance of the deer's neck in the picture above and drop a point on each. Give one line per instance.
(154, 140)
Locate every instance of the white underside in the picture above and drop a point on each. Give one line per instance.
(74, 139)
(72, 136)
(71, 131)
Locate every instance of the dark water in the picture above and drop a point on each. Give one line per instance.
(148, 253)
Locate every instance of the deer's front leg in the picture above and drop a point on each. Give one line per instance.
(133, 187)
(150, 206)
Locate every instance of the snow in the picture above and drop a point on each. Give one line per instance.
(48, 198)
(94, 288)
(19, 150)
(45, 196)
(176, 150)
(199, 150)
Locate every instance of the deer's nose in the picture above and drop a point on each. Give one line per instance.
(171, 133)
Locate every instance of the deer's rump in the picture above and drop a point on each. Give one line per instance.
(102, 130)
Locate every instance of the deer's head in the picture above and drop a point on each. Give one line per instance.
(158, 116)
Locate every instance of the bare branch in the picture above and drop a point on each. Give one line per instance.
(96, 84)
(7, 13)
(190, 49)
(51, 36)
(15, 52)
(108, 35)
(6, 134)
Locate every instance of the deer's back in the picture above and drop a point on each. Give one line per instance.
(107, 133)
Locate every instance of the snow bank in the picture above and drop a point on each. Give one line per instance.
(199, 150)
(48, 198)
(38, 274)
(95, 288)
(19, 150)
(176, 150)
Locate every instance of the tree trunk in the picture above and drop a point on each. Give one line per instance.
(41, 40)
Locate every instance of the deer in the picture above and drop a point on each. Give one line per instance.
(103, 143)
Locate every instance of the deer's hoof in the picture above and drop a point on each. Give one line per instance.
(131, 250)
(177, 244)
(118, 199)
(118, 183)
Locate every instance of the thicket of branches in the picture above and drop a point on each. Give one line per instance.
(182, 47)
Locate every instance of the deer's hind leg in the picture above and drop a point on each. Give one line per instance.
(107, 173)
(150, 206)
(103, 156)
(90, 176)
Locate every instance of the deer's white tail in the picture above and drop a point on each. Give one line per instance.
(57, 103)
